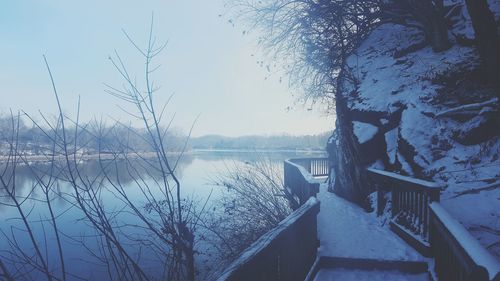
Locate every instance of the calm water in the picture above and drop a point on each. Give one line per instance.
(196, 172)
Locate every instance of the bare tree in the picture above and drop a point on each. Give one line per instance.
(312, 38)
(177, 223)
(315, 38)
(487, 39)
(425, 15)
(164, 222)
(18, 258)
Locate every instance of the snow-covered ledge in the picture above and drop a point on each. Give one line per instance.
(286, 252)
(451, 242)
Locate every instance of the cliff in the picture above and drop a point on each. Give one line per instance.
(431, 115)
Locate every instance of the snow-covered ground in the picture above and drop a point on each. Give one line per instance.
(341, 274)
(346, 230)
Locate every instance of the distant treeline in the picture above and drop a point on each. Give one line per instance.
(38, 138)
(281, 142)
(94, 137)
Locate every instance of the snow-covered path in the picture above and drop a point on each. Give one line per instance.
(346, 230)
(367, 275)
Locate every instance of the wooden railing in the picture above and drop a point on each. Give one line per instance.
(317, 167)
(416, 213)
(287, 252)
(299, 178)
(410, 199)
(458, 256)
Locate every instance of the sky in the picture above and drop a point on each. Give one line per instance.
(208, 66)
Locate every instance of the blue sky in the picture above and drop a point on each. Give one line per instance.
(209, 66)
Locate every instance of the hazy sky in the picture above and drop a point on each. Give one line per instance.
(209, 66)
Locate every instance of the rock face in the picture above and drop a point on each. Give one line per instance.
(396, 103)
(424, 114)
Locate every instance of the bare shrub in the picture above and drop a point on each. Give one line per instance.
(252, 204)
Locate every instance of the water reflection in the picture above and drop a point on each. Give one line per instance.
(194, 170)
(253, 155)
(28, 177)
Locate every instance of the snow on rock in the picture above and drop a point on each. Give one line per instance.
(416, 130)
(431, 141)
(468, 107)
(391, 139)
(386, 82)
(346, 230)
(364, 131)
(405, 167)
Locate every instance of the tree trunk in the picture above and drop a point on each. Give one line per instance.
(350, 177)
(487, 39)
(431, 15)
(186, 244)
(440, 41)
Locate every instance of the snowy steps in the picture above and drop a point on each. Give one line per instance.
(367, 275)
(354, 246)
(347, 269)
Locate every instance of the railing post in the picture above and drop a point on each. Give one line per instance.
(435, 195)
(380, 201)
(394, 202)
(479, 273)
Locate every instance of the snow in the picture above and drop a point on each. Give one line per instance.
(342, 274)
(411, 180)
(473, 106)
(346, 230)
(495, 6)
(388, 84)
(469, 243)
(364, 131)
(391, 139)
(479, 213)
(405, 166)
(307, 176)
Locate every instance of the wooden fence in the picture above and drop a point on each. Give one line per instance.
(287, 252)
(458, 256)
(410, 200)
(299, 178)
(419, 219)
(317, 167)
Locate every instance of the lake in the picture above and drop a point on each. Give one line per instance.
(196, 171)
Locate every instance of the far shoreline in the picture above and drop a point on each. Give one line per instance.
(30, 158)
